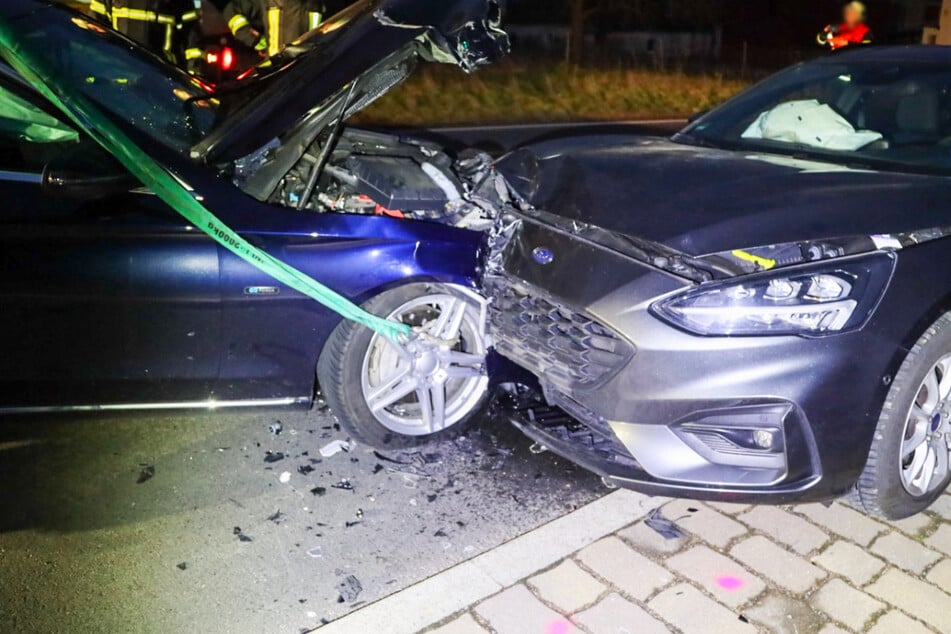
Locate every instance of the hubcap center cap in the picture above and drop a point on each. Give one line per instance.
(427, 363)
(936, 422)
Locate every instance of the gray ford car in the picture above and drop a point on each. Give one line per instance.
(755, 310)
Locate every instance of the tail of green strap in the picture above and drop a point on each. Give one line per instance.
(88, 117)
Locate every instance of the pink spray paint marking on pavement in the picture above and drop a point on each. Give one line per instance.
(558, 627)
(730, 583)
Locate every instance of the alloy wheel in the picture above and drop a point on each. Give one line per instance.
(926, 445)
(435, 380)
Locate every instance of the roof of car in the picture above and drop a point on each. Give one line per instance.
(919, 53)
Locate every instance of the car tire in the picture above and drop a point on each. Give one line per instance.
(888, 487)
(351, 361)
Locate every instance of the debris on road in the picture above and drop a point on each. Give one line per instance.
(241, 536)
(350, 588)
(146, 473)
(305, 469)
(663, 526)
(318, 491)
(334, 447)
(273, 456)
(316, 552)
(344, 485)
(276, 428)
(285, 477)
(182, 566)
(277, 518)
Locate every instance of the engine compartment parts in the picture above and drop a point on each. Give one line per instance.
(370, 173)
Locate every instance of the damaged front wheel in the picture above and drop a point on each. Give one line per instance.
(398, 395)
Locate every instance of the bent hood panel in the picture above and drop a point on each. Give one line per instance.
(701, 201)
(356, 42)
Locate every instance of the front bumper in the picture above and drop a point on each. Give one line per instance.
(777, 419)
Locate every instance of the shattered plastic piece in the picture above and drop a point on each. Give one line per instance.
(182, 566)
(277, 518)
(241, 536)
(377, 468)
(273, 456)
(285, 477)
(305, 469)
(335, 447)
(350, 588)
(344, 485)
(276, 428)
(316, 552)
(146, 474)
(538, 448)
(359, 514)
(663, 526)
(318, 491)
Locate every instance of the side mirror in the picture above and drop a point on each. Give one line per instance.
(87, 173)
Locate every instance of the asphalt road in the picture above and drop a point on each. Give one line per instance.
(176, 523)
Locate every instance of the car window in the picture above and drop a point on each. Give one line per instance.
(129, 83)
(29, 136)
(889, 115)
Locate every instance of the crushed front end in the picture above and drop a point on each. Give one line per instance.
(652, 407)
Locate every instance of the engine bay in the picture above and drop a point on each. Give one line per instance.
(372, 173)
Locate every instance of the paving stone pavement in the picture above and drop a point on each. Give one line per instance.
(807, 569)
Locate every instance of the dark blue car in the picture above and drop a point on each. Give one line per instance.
(110, 300)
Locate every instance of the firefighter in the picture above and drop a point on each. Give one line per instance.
(852, 31)
(270, 25)
(159, 25)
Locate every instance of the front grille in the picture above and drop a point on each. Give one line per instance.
(562, 345)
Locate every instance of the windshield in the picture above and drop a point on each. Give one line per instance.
(881, 115)
(127, 82)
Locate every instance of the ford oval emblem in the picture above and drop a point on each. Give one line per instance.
(543, 255)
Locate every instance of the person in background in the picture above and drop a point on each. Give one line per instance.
(270, 25)
(162, 26)
(853, 30)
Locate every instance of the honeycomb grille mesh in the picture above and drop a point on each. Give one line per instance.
(556, 342)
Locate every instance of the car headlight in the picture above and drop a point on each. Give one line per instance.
(809, 300)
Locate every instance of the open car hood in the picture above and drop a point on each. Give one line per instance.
(363, 52)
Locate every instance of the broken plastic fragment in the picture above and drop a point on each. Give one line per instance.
(335, 447)
(305, 469)
(146, 474)
(344, 485)
(318, 491)
(277, 518)
(182, 566)
(350, 588)
(276, 428)
(663, 526)
(241, 536)
(316, 552)
(285, 477)
(273, 456)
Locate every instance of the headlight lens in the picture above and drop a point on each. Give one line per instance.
(807, 300)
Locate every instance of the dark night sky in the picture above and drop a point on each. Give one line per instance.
(760, 22)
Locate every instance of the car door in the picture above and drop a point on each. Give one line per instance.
(105, 300)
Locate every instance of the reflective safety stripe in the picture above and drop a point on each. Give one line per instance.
(314, 19)
(193, 53)
(124, 13)
(765, 263)
(190, 16)
(273, 31)
(98, 7)
(237, 23)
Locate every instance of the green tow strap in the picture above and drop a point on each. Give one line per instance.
(92, 121)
